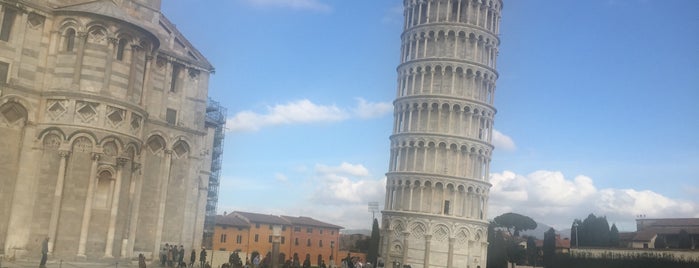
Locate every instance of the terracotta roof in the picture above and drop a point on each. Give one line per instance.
(262, 218)
(231, 220)
(310, 222)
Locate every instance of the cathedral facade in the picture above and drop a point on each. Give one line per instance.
(437, 185)
(106, 146)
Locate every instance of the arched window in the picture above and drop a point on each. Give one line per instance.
(102, 191)
(120, 49)
(70, 40)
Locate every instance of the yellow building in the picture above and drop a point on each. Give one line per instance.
(252, 232)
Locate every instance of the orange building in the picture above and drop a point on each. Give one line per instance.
(252, 232)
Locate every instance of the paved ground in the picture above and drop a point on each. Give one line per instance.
(66, 264)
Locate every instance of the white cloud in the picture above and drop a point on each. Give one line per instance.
(345, 168)
(502, 141)
(549, 197)
(313, 5)
(367, 109)
(303, 111)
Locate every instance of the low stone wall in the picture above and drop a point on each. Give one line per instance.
(627, 253)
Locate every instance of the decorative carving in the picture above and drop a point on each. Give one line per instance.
(135, 122)
(110, 148)
(63, 153)
(86, 111)
(96, 156)
(115, 116)
(56, 108)
(35, 20)
(82, 145)
(121, 161)
(52, 142)
(97, 35)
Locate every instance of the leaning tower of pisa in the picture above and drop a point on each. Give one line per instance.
(437, 186)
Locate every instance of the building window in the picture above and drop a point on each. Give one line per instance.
(223, 238)
(120, 49)
(446, 207)
(239, 239)
(257, 225)
(309, 230)
(270, 239)
(171, 116)
(283, 228)
(176, 68)
(283, 239)
(4, 71)
(320, 243)
(308, 243)
(296, 241)
(321, 231)
(257, 238)
(270, 227)
(70, 40)
(8, 20)
(297, 229)
(332, 232)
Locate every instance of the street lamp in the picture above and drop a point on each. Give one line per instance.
(575, 225)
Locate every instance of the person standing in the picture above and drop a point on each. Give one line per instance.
(44, 252)
(192, 258)
(180, 255)
(141, 261)
(202, 257)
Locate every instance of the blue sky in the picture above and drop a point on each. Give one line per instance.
(597, 106)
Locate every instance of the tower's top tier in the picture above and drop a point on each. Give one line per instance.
(483, 14)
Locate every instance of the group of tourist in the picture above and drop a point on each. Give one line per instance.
(354, 262)
(172, 256)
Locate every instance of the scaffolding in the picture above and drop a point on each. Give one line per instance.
(215, 118)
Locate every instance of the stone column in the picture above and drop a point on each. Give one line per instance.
(146, 77)
(406, 246)
(428, 247)
(387, 251)
(164, 181)
(81, 37)
(111, 44)
(87, 212)
(450, 260)
(134, 204)
(109, 248)
(135, 49)
(58, 194)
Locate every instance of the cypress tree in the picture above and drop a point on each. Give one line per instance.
(614, 236)
(374, 243)
(549, 247)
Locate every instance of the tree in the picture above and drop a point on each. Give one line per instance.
(591, 232)
(234, 260)
(515, 221)
(374, 243)
(497, 257)
(532, 252)
(660, 242)
(549, 247)
(575, 232)
(614, 236)
(685, 241)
